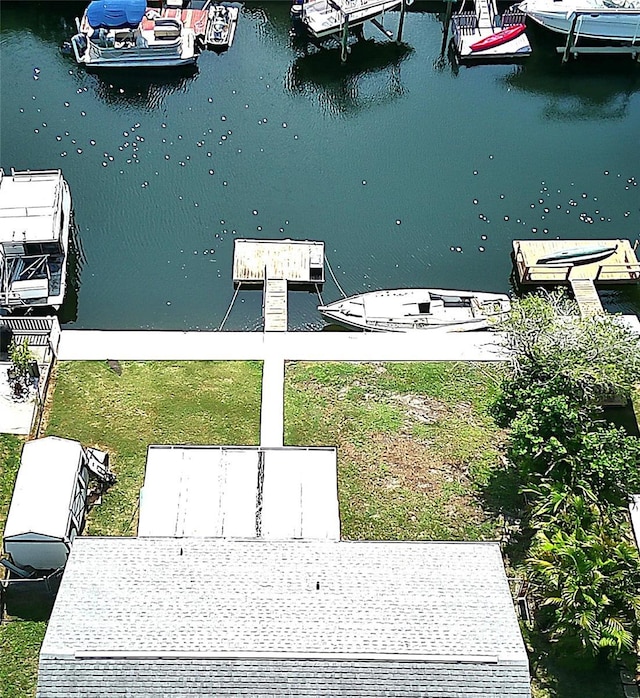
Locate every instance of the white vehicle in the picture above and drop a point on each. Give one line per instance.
(324, 18)
(221, 25)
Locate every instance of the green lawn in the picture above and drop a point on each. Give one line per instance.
(415, 444)
(190, 402)
(194, 402)
(419, 457)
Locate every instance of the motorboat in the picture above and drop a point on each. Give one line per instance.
(586, 254)
(323, 18)
(221, 25)
(125, 34)
(35, 224)
(407, 309)
(607, 20)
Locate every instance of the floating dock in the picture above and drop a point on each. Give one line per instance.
(471, 26)
(620, 267)
(274, 265)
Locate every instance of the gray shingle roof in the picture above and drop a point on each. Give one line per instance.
(122, 596)
(276, 678)
(210, 617)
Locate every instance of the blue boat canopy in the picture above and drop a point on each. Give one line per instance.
(115, 14)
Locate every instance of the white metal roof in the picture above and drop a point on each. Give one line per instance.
(240, 492)
(44, 488)
(634, 508)
(211, 598)
(30, 206)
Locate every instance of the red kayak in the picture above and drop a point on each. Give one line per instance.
(498, 38)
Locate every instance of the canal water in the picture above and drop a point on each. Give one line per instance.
(413, 171)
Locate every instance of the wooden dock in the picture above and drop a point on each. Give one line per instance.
(274, 265)
(274, 305)
(587, 297)
(469, 27)
(621, 267)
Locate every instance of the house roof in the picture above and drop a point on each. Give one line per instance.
(30, 204)
(241, 492)
(45, 485)
(128, 598)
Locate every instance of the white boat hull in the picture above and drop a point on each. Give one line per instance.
(220, 33)
(321, 20)
(21, 289)
(407, 310)
(598, 21)
(138, 47)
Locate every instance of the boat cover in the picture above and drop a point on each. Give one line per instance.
(115, 14)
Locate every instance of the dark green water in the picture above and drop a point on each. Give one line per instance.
(457, 163)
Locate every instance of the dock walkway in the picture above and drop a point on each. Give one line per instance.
(274, 265)
(586, 297)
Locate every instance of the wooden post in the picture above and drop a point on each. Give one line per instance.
(447, 22)
(344, 49)
(403, 9)
(570, 39)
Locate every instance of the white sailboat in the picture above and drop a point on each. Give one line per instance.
(407, 309)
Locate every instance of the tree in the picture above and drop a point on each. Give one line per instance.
(588, 359)
(576, 469)
(587, 572)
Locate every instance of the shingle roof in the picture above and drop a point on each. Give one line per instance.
(205, 598)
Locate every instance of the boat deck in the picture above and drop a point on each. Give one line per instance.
(470, 27)
(296, 261)
(621, 267)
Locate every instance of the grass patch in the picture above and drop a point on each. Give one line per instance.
(20, 640)
(415, 444)
(196, 402)
(419, 457)
(19, 648)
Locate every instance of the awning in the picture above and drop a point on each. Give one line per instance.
(113, 14)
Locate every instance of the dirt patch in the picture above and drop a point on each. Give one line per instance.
(408, 463)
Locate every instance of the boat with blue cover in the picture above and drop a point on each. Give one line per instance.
(125, 34)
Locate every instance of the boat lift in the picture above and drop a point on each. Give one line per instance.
(337, 19)
(571, 47)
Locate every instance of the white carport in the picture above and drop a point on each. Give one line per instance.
(240, 492)
(48, 503)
